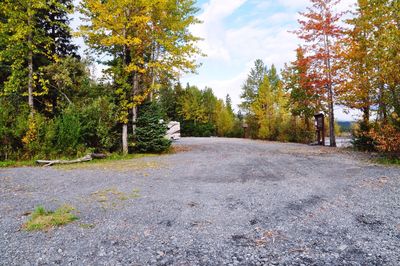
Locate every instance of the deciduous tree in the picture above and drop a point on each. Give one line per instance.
(320, 29)
(146, 39)
(24, 40)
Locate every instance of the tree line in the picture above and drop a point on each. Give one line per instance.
(352, 62)
(51, 105)
(200, 112)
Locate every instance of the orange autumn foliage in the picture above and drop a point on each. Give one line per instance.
(387, 139)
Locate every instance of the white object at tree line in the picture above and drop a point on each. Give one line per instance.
(174, 130)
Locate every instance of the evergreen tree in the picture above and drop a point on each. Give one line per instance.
(55, 21)
(169, 99)
(228, 103)
(251, 85)
(151, 130)
(264, 110)
(249, 95)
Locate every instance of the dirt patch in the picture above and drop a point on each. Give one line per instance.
(302, 205)
(369, 220)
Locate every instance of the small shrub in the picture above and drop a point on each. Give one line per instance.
(98, 120)
(41, 219)
(362, 139)
(13, 127)
(68, 132)
(39, 137)
(387, 139)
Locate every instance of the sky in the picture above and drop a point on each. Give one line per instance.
(237, 32)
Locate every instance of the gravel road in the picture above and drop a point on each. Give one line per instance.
(215, 202)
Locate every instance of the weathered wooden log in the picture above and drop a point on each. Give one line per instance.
(86, 158)
(98, 155)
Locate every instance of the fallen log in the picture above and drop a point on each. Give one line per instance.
(86, 158)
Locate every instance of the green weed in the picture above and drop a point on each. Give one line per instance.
(42, 219)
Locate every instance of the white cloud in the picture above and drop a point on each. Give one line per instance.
(234, 38)
(233, 47)
(213, 29)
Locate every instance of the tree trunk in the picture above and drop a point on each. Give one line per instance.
(332, 137)
(366, 115)
(126, 61)
(134, 119)
(125, 139)
(30, 82)
(382, 109)
(134, 109)
(30, 73)
(86, 158)
(153, 78)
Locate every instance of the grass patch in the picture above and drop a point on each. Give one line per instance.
(4, 164)
(110, 158)
(87, 226)
(112, 197)
(115, 162)
(42, 219)
(388, 161)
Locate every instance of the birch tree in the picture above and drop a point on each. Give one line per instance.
(146, 39)
(24, 39)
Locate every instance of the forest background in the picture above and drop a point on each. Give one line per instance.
(50, 105)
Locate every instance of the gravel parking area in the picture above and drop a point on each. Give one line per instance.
(215, 202)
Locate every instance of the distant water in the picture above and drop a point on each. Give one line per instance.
(341, 142)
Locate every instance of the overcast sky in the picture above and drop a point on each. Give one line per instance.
(236, 33)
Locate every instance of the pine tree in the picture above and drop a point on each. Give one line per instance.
(249, 95)
(228, 103)
(55, 21)
(251, 85)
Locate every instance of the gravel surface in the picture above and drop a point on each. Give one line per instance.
(215, 202)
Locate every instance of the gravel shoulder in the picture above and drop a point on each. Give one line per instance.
(216, 202)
